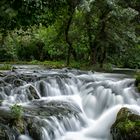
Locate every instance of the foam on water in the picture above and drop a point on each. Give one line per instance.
(98, 96)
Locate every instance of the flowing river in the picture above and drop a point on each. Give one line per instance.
(95, 98)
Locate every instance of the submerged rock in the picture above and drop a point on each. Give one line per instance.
(10, 78)
(33, 92)
(18, 82)
(126, 126)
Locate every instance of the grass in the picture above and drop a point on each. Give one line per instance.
(60, 64)
(5, 67)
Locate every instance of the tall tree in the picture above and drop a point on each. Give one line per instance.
(109, 24)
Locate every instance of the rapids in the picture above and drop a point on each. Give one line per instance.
(96, 97)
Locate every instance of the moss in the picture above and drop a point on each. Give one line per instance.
(19, 125)
(127, 126)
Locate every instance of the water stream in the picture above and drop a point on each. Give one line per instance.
(96, 97)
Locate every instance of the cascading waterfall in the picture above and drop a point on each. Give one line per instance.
(94, 97)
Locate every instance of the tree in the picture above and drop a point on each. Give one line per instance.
(66, 14)
(26, 13)
(109, 24)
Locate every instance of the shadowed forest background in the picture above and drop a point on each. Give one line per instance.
(94, 32)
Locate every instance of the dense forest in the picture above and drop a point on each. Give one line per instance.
(86, 31)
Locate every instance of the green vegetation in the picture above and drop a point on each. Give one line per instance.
(17, 122)
(83, 65)
(97, 33)
(127, 126)
(17, 111)
(5, 67)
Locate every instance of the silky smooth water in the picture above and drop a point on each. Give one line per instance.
(96, 96)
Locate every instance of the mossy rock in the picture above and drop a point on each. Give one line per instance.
(29, 119)
(126, 126)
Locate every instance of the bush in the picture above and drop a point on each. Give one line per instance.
(107, 67)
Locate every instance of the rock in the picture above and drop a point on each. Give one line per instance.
(33, 129)
(2, 74)
(5, 133)
(18, 82)
(51, 108)
(41, 88)
(10, 78)
(7, 90)
(3, 83)
(1, 97)
(126, 126)
(28, 78)
(33, 118)
(34, 92)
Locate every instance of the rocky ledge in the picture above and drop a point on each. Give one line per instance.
(28, 120)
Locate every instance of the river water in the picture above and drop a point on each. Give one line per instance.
(97, 97)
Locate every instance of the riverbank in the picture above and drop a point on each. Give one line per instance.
(76, 65)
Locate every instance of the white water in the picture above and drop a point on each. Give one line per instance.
(98, 95)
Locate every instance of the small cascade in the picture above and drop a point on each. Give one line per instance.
(67, 104)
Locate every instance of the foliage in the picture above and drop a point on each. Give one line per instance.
(109, 28)
(134, 60)
(128, 58)
(17, 111)
(127, 126)
(5, 67)
(98, 32)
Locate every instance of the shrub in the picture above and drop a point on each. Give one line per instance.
(5, 67)
(17, 111)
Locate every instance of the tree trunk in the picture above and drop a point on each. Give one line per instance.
(69, 50)
(93, 53)
(68, 54)
(102, 57)
(92, 45)
(4, 34)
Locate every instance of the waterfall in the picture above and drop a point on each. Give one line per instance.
(95, 99)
